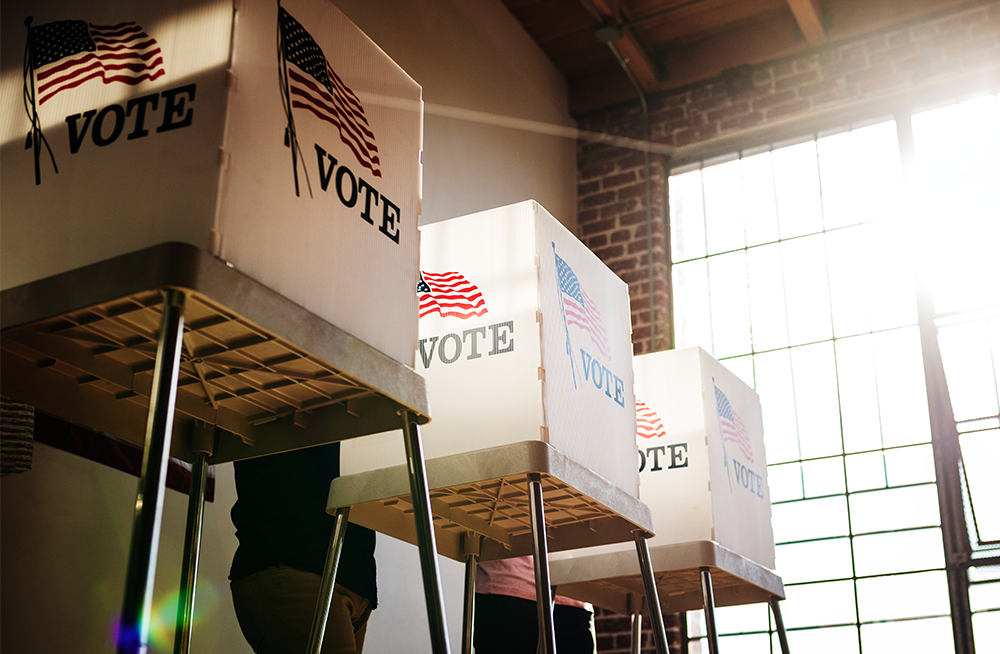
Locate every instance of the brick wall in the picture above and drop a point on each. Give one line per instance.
(943, 57)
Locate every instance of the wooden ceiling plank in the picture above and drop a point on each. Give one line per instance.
(629, 48)
(809, 17)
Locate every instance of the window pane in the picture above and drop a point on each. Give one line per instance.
(814, 561)
(785, 482)
(866, 471)
(816, 400)
(986, 630)
(859, 188)
(777, 401)
(891, 293)
(692, 318)
(723, 209)
(933, 635)
(903, 551)
(815, 605)
(767, 297)
(958, 162)
(809, 519)
(687, 217)
(858, 394)
(823, 477)
(832, 640)
(848, 256)
(728, 296)
(796, 183)
(807, 295)
(903, 596)
(968, 366)
(896, 508)
(742, 619)
(761, 213)
(980, 452)
(985, 597)
(910, 465)
(902, 394)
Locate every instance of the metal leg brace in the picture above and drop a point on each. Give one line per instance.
(652, 595)
(329, 580)
(469, 610)
(133, 630)
(543, 586)
(779, 624)
(421, 498)
(709, 601)
(192, 548)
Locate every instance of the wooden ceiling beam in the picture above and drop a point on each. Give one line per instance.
(809, 17)
(636, 56)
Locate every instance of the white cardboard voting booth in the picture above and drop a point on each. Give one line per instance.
(525, 335)
(134, 124)
(703, 471)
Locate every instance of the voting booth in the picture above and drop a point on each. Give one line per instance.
(703, 474)
(525, 335)
(275, 136)
(209, 242)
(702, 467)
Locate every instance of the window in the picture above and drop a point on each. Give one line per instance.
(800, 267)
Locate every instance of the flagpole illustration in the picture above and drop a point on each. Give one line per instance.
(291, 139)
(562, 310)
(35, 137)
(718, 418)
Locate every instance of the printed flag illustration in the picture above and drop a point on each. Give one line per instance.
(647, 422)
(579, 309)
(64, 54)
(308, 82)
(449, 294)
(733, 429)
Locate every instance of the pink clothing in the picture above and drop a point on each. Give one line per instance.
(513, 577)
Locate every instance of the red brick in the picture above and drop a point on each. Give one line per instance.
(621, 236)
(685, 136)
(597, 241)
(898, 38)
(734, 109)
(598, 200)
(874, 73)
(786, 67)
(622, 265)
(876, 44)
(774, 99)
(742, 122)
(619, 208)
(799, 106)
(796, 80)
(588, 188)
(614, 181)
(597, 227)
(587, 216)
(897, 53)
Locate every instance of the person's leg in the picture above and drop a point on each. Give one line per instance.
(574, 630)
(504, 625)
(275, 610)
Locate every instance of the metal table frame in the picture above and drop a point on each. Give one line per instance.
(685, 575)
(496, 503)
(173, 349)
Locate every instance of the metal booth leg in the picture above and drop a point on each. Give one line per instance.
(636, 631)
(472, 545)
(543, 586)
(709, 601)
(133, 630)
(329, 579)
(202, 445)
(421, 497)
(652, 596)
(779, 624)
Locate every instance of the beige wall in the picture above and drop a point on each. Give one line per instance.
(492, 104)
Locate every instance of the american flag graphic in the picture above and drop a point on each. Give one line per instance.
(449, 294)
(581, 311)
(67, 53)
(733, 429)
(647, 422)
(316, 88)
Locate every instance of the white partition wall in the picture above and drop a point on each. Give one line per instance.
(524, 335)
(277, 137)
